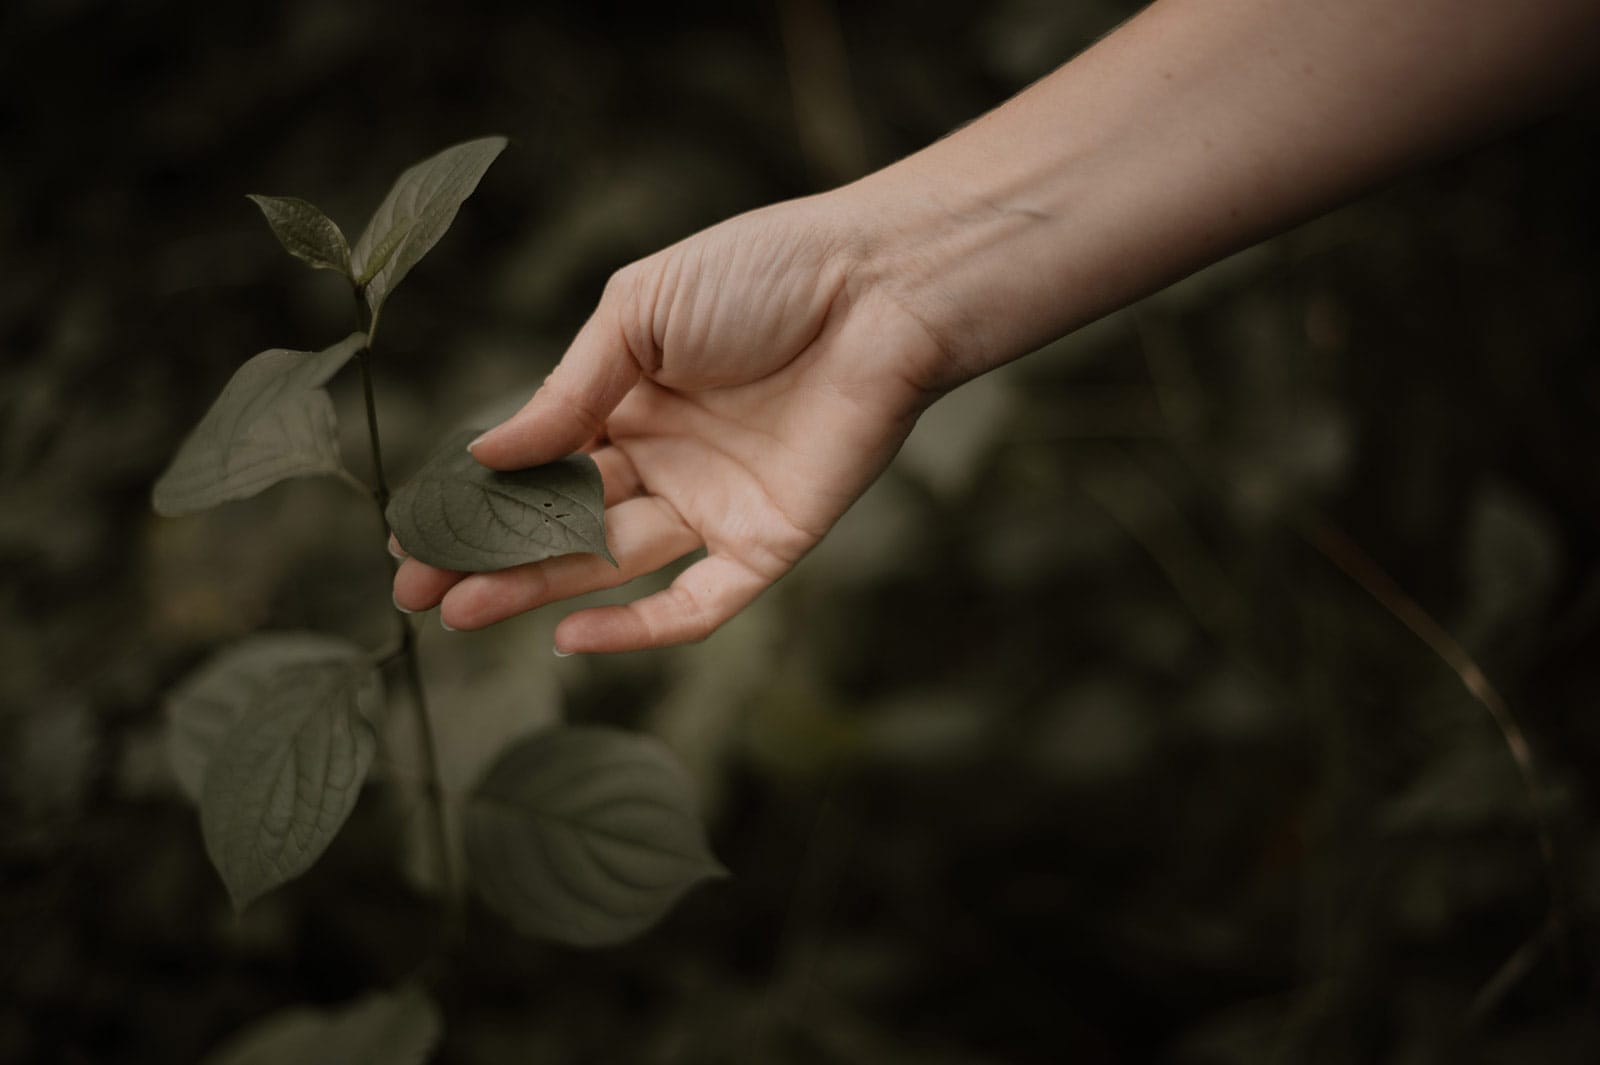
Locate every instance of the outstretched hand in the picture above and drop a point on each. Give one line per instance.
(738, 391)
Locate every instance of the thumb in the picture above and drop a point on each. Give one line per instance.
(572, 405)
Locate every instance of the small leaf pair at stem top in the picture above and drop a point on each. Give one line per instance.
(404, 228)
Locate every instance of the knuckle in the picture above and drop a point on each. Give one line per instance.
(533, 585)
(622, 284)
(575, 404)
(630, 304)
(699, 622)
(463, 607)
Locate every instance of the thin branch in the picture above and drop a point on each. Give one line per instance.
(1516, 968)
(1334, 545)
(373, 439)
(1347, 556)
(427, 749)
(1356, 564)
(355, 483)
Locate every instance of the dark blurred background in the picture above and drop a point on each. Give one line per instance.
(1077, 742)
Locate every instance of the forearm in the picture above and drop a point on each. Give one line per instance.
(1195, 129)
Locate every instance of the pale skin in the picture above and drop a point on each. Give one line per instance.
(740, 389)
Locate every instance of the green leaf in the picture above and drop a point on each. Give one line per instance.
(273, 421)
(305, 232)
(415, 214)
(210, 701)
(585, 835)
(287, 772)
(458, 514)
(381, 1029)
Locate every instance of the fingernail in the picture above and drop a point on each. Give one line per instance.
(476, 442)
(559, 653)
(397, 606)
(394, 551)
(445, 625)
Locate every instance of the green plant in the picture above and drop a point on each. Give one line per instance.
(579, 834)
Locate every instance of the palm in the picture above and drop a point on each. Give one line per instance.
(762, 470)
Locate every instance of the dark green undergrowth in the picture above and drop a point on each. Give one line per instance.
(1079, 740)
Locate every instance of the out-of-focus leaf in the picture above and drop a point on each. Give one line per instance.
(287, 773)
(1098, 732)
(458, 514)
(385, 1029)
(1469, 785)
(585, 835)
(210, 701)
(273, 421)
(955, 436)
(929, 729)
(415, 214)
(1513, 563)
(305, 232)
(47, 758)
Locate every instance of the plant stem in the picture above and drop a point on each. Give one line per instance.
(427, 748)
(364, 358)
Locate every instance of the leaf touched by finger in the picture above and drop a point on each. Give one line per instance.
(458, 514)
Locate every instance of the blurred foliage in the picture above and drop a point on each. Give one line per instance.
(1068, 745)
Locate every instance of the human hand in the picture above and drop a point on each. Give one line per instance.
(738, 390)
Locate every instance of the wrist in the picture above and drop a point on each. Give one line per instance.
(970, 255)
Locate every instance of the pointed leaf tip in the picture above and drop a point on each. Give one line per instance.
(273, 421)
(286, 772)
(416, 213)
